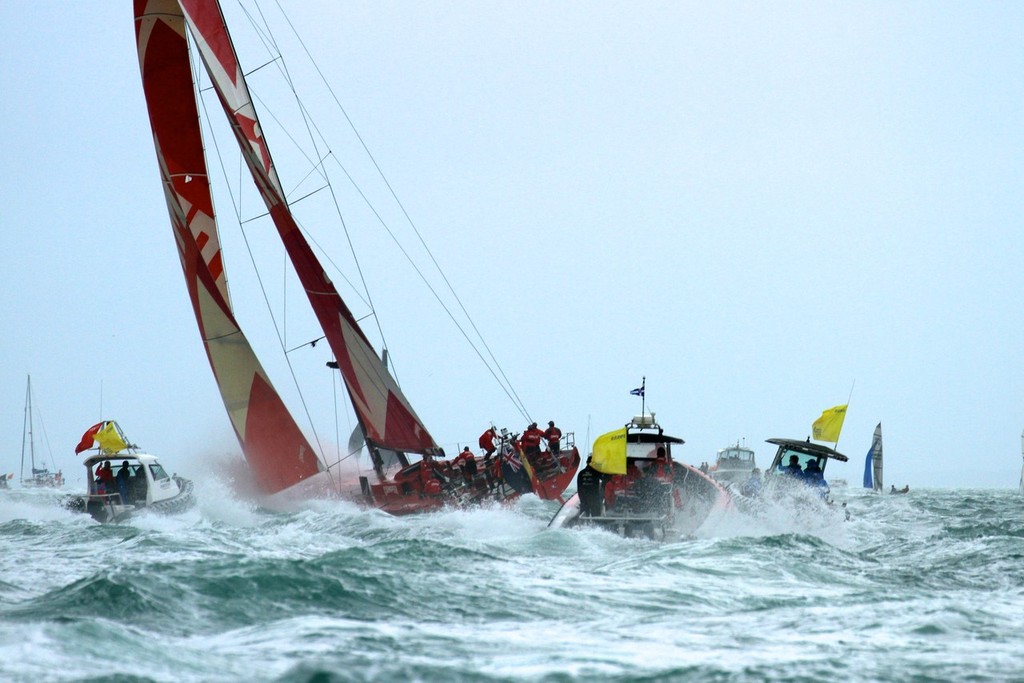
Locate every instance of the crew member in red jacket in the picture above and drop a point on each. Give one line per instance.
(467, 461)
(530, 441)
(487, 443)
(554, 437)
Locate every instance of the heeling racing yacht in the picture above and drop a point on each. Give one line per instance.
(408, 463)
(634, 487)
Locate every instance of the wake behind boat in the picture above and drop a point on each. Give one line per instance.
(408, 464)
(123, 481)
(634, 487)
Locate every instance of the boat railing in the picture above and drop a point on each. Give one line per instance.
(107, 498)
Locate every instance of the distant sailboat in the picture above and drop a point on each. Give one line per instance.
(40, 476)
(873, 462)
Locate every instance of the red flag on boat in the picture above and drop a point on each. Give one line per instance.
(87, 438)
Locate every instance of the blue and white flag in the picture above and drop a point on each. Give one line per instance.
(639, 391)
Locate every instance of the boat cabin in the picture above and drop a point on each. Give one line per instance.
(123, 482)
(733, 464)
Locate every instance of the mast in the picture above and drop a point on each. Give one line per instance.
(27, 438)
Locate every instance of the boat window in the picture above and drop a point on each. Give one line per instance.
(645, 450)
(158, 472)
(804, 458)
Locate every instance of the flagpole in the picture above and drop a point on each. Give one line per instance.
(643, 397)
(835, 446)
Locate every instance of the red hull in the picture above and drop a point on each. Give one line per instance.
(409, 492)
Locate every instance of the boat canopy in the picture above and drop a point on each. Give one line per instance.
(806, 448)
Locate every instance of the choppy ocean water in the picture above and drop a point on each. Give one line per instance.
(923, 587)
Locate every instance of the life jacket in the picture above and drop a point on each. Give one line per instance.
(487, 440)
(531, 438)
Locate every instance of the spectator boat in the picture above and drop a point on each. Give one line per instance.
(640, 490)
(733, 465)
(796, 475)
(123, 481)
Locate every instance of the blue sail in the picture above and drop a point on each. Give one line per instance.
(868, 484)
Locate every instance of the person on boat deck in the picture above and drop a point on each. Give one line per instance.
(466, 461)
(662, 465)
(530, 441)
(813, 474)
(590, 486)
(793, 468)
(649, 491)
(122, 480)
(430, 479)
(138, 487)
(487, 443)
(752, 486)
(553, 435)
(105, 478)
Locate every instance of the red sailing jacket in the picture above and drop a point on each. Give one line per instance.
(531, 438)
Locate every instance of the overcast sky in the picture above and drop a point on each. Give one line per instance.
(757, 206)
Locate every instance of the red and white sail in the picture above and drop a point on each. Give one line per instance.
(383, 411)
(275, 448)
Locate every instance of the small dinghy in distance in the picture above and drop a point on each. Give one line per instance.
(123, 481)
(632, 486)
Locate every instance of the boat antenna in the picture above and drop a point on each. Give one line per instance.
(835, 446)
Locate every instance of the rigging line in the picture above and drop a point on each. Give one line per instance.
(516, 401)
(310, 127)
(37, 412)
(259, 278)
(304, 344)
(506, 387)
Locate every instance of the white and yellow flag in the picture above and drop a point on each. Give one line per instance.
(828, 426)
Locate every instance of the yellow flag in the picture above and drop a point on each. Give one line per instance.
(828, 426)
(609, 455)
(109, 439)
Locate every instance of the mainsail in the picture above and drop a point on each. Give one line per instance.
(873, 462)
(275, 448)
(270, 438)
